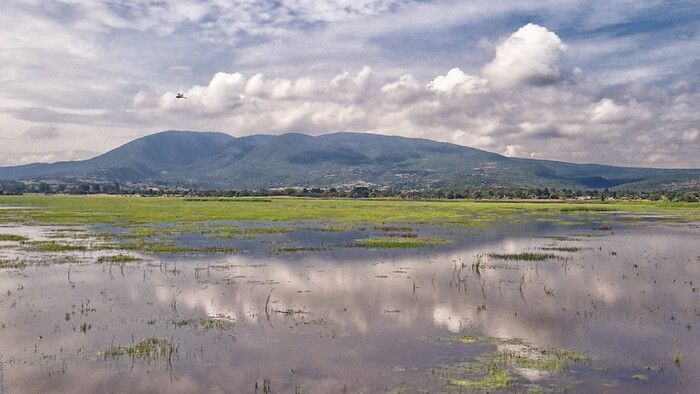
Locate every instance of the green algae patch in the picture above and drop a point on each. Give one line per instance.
(398, 242)
(152, 348)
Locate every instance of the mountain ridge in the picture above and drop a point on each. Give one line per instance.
(219, 160)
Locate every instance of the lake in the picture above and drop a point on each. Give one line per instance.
(589, 304)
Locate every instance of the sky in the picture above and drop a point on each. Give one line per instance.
(613, 82)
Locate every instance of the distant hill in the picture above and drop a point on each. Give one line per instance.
(217, 160)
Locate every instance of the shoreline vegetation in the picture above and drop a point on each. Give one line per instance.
(135, 210)
(162, 225)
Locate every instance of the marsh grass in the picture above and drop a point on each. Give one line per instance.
(152, 348)
(469, 339)
(297, 249)
(215, 322)
(570, 249)
(398, 242)
(168, 246)
(12, 264)
(218, 322)
(524, 256)
(53, 246)
(13, 238)
(132, 210)
(117, 259)
(496, 371)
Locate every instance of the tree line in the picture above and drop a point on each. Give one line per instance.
(473, 193)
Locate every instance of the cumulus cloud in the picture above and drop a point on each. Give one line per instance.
(607, 111)
(512, 107)
(528, 56)
(456, 82)
(454, 71)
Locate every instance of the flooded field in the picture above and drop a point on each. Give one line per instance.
(601, 301)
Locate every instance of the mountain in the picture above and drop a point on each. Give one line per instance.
(218, 160)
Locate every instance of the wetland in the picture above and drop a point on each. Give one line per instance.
(117, 293)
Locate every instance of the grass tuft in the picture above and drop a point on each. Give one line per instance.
(118, 259)
(152, 348)
(13, 238)
(398, 242)
(524, 256)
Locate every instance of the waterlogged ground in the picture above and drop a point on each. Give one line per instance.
(605, 301)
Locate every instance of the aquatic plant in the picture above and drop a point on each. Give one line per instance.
(52, 246)
(152, 348)
(120, 259)
(677, 358)
(13, 238)
(495, 378)
(12, 264)
(398, 242)
(471, 339)
(524, 256)
(296, 249)
(571, 249)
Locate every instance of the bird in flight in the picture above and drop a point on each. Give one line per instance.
(180, 96)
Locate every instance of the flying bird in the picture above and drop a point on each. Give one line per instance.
(180, 96)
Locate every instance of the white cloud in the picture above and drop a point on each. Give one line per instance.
(98, 70)
(528, 56)
(456, 82)
(511, 150)
(404, 90)
(606, 111)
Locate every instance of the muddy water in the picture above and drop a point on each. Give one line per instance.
(362, 320)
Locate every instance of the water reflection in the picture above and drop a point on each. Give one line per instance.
(628, 299)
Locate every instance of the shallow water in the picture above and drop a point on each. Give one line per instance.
(358, 320)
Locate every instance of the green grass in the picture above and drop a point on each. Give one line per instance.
(118, 259)
(52, 246)
(131, 210)
(152, 348)
(570, 249)
(499, 370)
(217, 322)
(469, 339)
(297, 249)
(167, 246)
(398, 242)
(13, 238)
(524, 256)
(496, 378)
(12, 264)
